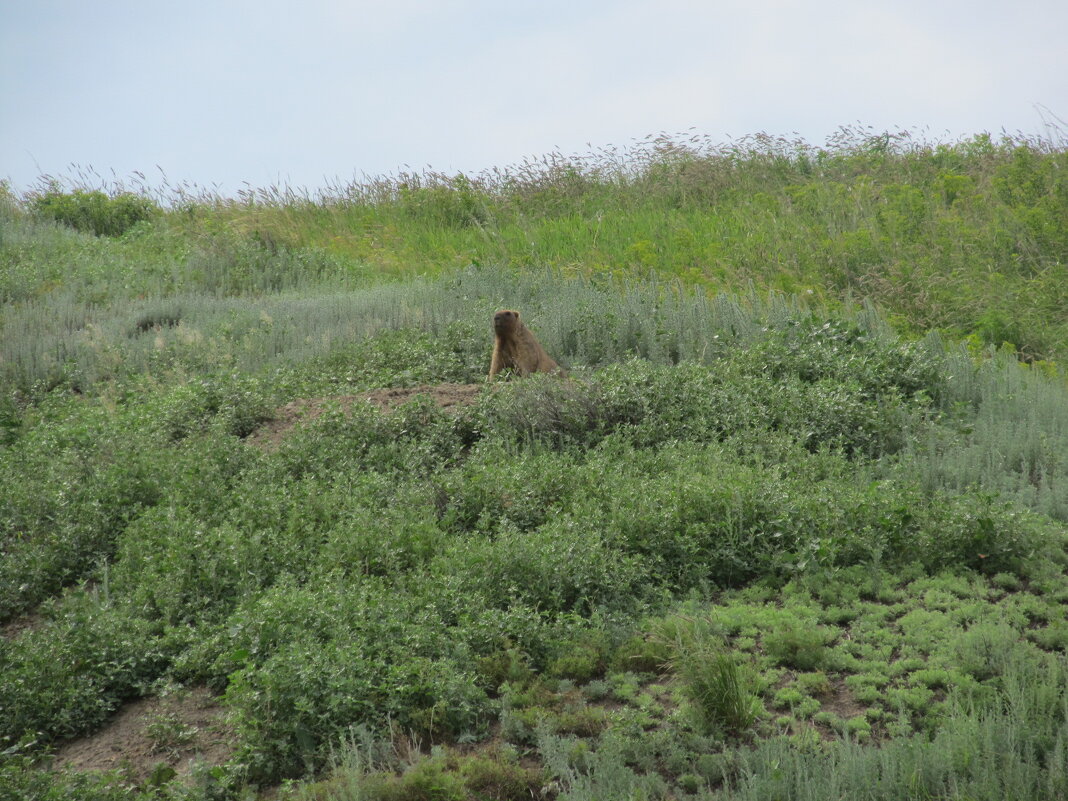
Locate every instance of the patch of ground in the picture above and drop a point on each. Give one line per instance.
(303, 411)
(177, 732)
(841, 702)
(13, 628)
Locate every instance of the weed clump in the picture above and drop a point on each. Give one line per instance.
(797, 645)
(721, 690)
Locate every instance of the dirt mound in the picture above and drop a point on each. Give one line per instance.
(305, 410)
(153, 736)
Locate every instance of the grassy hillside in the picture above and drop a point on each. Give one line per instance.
(766, 543)
(966, 237)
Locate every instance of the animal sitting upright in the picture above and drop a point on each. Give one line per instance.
(515, 348)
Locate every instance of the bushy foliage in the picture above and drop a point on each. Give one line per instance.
(77, 476)
(738, 394)
(24, 777)
(93, 211)
(71, 484)
(68, 676)
(359, 653)
(800, 646)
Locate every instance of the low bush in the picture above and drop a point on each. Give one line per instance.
(426, 568)
(94, 211)
(66, 677)
(798, 645)
(340, 653)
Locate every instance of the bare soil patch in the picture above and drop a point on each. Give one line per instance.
(841, 702)
(178, 731)
(305, 410)
(13, 628)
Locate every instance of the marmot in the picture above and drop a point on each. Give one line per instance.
(515, 348)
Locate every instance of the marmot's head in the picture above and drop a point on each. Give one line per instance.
(505, 321)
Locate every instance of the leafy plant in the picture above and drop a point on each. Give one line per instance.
(94, 211)
(169, 732)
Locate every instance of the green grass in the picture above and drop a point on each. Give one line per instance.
(965, 236)
(763, 544)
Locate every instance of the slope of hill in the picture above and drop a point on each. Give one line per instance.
(759, 545)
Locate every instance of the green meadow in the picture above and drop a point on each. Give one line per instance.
(796, 526)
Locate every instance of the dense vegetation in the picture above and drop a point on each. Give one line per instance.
(765, 544)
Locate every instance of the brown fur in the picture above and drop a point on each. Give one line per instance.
(515, 348)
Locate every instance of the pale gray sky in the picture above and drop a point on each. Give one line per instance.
(225, 93)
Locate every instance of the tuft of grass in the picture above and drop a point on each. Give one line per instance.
(721, 688)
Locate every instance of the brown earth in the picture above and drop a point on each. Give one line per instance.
(144, 737)
(13, 628)
(305, 410)
(841, 702)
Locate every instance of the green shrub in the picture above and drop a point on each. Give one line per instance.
(24, 777)
(560, 567)
(71, 485)
(654, 404)
(717, 768)
(496, 486)
(497, 775)
(813, 683)
(332, 654)
(403, 358)
(986, 650)
(67, 676)
(94, 211)
(426, 780)
(506, 666)
(1052, 638)
(236, 404)
(799, 645)
(580, 658)
(641, 654)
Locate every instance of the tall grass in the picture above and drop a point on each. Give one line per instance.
(1006, 430)
(1002, 426)
(963, 235)
(86, 337)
